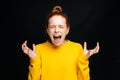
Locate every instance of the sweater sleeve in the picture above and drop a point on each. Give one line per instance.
(35, 67)
(83, 66)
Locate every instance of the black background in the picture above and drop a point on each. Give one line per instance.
(91, 20)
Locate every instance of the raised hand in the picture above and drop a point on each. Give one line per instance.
(90, 52)
(31, 53)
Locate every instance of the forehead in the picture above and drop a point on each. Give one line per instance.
(57, 19)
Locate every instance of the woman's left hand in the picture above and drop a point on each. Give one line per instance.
(90, 52)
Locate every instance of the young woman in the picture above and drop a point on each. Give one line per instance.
(58, 58)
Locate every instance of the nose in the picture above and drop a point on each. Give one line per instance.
(56, 29)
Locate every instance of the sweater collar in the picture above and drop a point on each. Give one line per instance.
(51, 45)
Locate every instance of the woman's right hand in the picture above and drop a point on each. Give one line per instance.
(31, 53)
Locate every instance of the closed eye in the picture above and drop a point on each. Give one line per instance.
(61, 26)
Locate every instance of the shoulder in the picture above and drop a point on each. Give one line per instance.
(41, 44)
(75, 44)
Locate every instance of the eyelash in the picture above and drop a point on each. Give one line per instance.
(54, 26)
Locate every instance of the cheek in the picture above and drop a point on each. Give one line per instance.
(66, 31)
(49, 31)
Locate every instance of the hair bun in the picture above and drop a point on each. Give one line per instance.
(56, 9)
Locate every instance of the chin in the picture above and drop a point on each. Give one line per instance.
(57, 44)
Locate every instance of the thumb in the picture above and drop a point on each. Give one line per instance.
(33, 47)
(34, 50)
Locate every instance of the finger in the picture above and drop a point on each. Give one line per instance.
(97, 47)
(97, 43)
(32, 53)
(85, 45)
(33, 47)
(25, 43)
(24, 47)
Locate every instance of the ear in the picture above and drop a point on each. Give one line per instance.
(68, 29)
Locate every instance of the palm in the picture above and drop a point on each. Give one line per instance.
(31, 53)
(91, 51)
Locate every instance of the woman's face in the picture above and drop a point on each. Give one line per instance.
(57, 30)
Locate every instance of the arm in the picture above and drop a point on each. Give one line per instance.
(83, 66)
(34, 66)
(83, 70)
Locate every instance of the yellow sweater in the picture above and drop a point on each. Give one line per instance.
(66, 62)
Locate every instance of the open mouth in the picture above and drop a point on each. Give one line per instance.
(57, 38)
